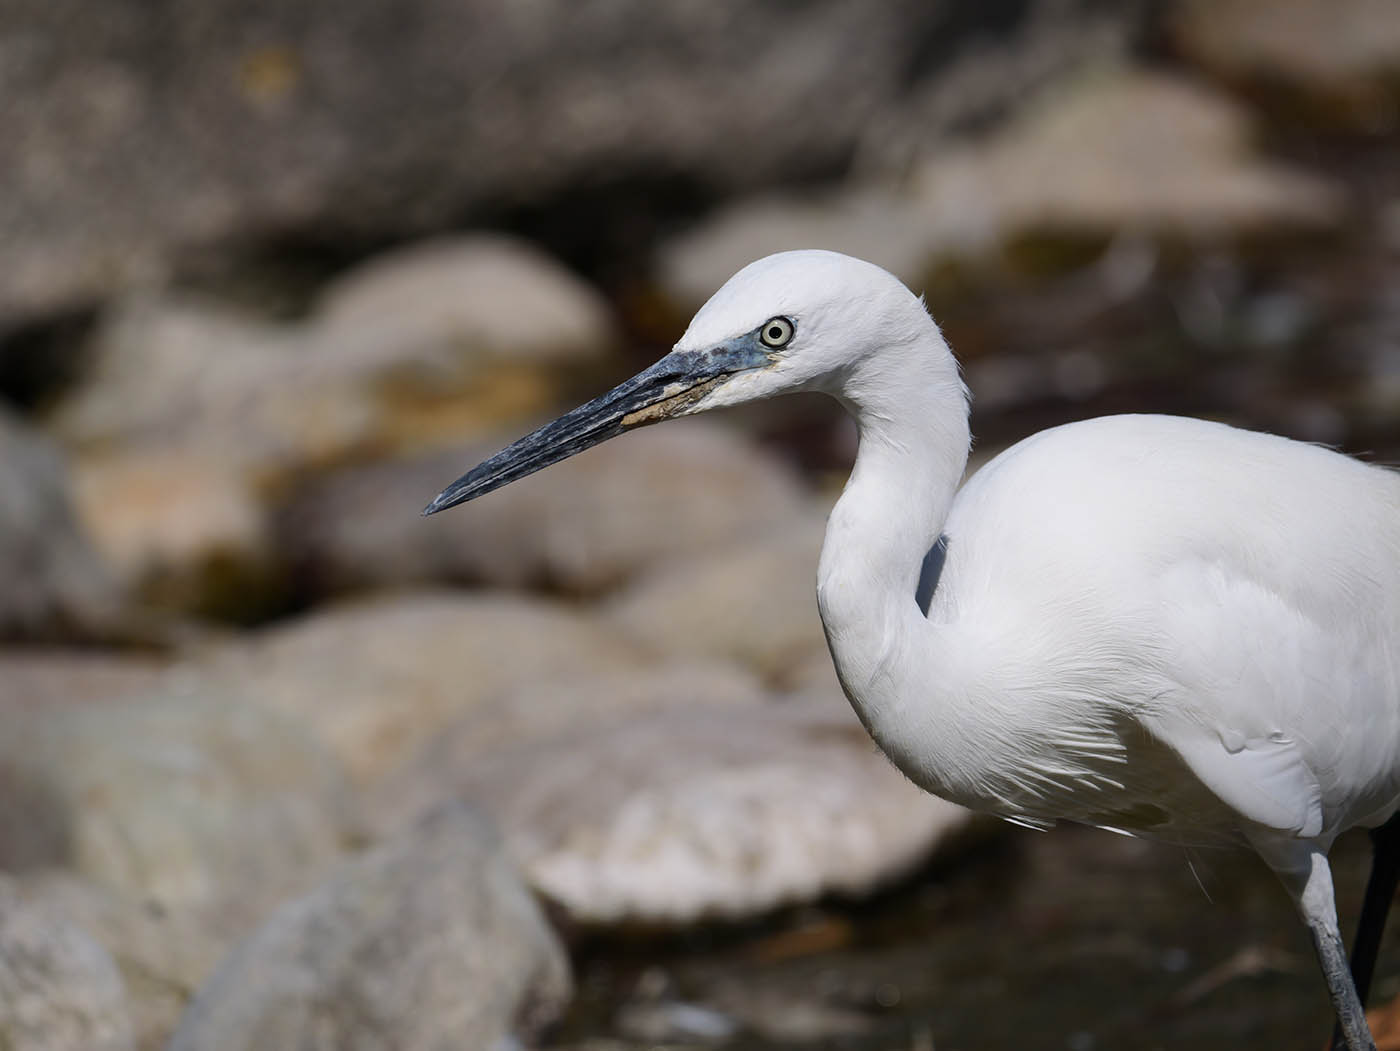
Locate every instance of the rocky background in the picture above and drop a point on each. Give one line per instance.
(283, 765)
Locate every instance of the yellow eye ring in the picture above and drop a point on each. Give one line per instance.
(776, 332)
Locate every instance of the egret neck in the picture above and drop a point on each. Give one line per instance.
(911, 409)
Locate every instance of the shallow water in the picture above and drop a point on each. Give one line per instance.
(1075, 939)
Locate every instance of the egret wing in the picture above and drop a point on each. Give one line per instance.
(1265, 780)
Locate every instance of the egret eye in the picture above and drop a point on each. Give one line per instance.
(776, 332)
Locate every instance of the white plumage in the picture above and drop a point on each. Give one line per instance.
(1153, 624)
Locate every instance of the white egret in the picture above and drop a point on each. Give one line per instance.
(1153, 624)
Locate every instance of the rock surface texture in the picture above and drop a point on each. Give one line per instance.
(216, 124)
(376, 678)
(728, 812)
(1113, 150)
(428, 943)
(583, 527)
(59, 991)
(182, 797)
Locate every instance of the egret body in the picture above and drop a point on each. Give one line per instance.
(1157, 625)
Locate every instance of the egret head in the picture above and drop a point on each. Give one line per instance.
(807, 320)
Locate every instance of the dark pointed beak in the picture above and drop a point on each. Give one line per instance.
(666, 389)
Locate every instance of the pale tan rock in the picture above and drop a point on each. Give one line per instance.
(1122, 149)
(428, 942)
(33, 676)
(545, 711)
(679, 814)
(163, 956)
(184, 797)
(873, 222)
(194, 376)
(179, 528)
(583, 526)
(374, 679)
(457, 335)
(1114, 150)
(752, 602)
(33, 816)
(414, 349)
(59, 990)
(479, 296)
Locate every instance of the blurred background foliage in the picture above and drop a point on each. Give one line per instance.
(569, 767)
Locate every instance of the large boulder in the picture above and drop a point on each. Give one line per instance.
(584, 526)
(59, 991)
(708, 811)
(462, 304)
(182, 797)
(377, 678)
(163, 955)
(52, 584)
(411, 346)
(194, 418)
(427, 943)
(1111, 151)
(546, 710)
(151, 131)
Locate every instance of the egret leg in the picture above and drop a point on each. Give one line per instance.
(1380, 891)
(1317, 902)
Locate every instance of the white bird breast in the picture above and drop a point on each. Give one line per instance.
(1195, 579)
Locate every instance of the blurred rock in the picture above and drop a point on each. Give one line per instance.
(59, 991)
(1338, 58)
(182, 797)
(584, 526)
(33, 822)
(875, 222)
(148, 133)
(162, 956)
(181, 529)
(1126, 149)
(205, 380)
(754, 602)
(375, 679)
(427, 943)
(193, 418)
(32, 676)
(814, 674)
(461, 302)
(52, 585)
(453, 337)
(443, 358)
(544, 711)
(1112, 151)
(684, 814)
